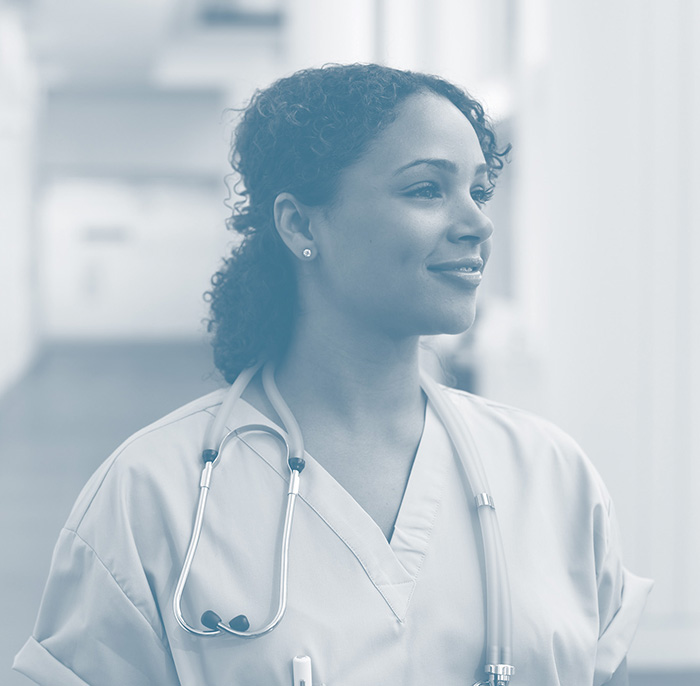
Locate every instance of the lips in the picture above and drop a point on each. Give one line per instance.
(465, 271)
(464, 265)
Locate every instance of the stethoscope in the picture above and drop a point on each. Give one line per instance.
(498, 665)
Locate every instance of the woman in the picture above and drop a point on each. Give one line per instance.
(364, 228)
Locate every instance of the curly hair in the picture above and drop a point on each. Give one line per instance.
(297, 136)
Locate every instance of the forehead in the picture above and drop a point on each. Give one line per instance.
(427, 126)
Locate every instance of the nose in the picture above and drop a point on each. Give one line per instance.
(470, 223)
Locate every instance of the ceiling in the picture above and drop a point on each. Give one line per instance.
(172, 43)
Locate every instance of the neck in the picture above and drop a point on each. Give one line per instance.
(357, 380)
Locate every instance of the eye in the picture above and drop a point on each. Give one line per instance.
(481, 195)
(428, 190)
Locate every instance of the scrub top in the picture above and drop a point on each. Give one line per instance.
(409, 611)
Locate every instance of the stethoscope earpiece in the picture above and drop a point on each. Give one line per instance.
(211, 620)
(240, 623)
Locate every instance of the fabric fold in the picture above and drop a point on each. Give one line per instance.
(34, 661)
(615, 641)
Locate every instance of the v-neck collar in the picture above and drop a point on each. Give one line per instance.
(392, 567)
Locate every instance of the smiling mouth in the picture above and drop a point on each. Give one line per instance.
(468, 265)
(468, 274)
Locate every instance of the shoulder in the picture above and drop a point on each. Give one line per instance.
(533, 449)
(180, 419)
(162, 455)
(133, 516)
(520, 424)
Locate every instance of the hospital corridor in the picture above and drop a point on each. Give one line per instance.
(116, 187)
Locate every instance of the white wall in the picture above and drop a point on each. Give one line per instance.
(138, 131)
(17, 125)
(607, 257)
(129, 260)
(319, 32)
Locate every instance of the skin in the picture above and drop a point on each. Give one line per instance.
(368, 293)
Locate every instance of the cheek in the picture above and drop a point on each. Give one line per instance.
(376, 243)
(396, 259)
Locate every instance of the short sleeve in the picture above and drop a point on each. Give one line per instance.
(89, 631)
(621, 600)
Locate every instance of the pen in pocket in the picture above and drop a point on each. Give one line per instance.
(301, 670)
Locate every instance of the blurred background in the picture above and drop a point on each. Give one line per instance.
(114, 139)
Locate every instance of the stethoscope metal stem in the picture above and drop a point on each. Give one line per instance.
(204, 484)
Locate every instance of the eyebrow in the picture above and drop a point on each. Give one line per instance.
(440, 163)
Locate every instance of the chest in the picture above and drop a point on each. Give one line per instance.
(365, 611)
(374, 473)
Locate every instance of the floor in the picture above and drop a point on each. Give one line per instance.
(76, 404)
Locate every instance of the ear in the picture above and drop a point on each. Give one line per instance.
(292, 224)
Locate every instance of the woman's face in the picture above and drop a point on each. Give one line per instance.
(403, 246)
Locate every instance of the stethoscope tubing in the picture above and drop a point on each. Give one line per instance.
(498, 602)
(217, 427)
(289, 421)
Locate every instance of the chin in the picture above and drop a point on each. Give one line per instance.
(430, 320)
(452, 323)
